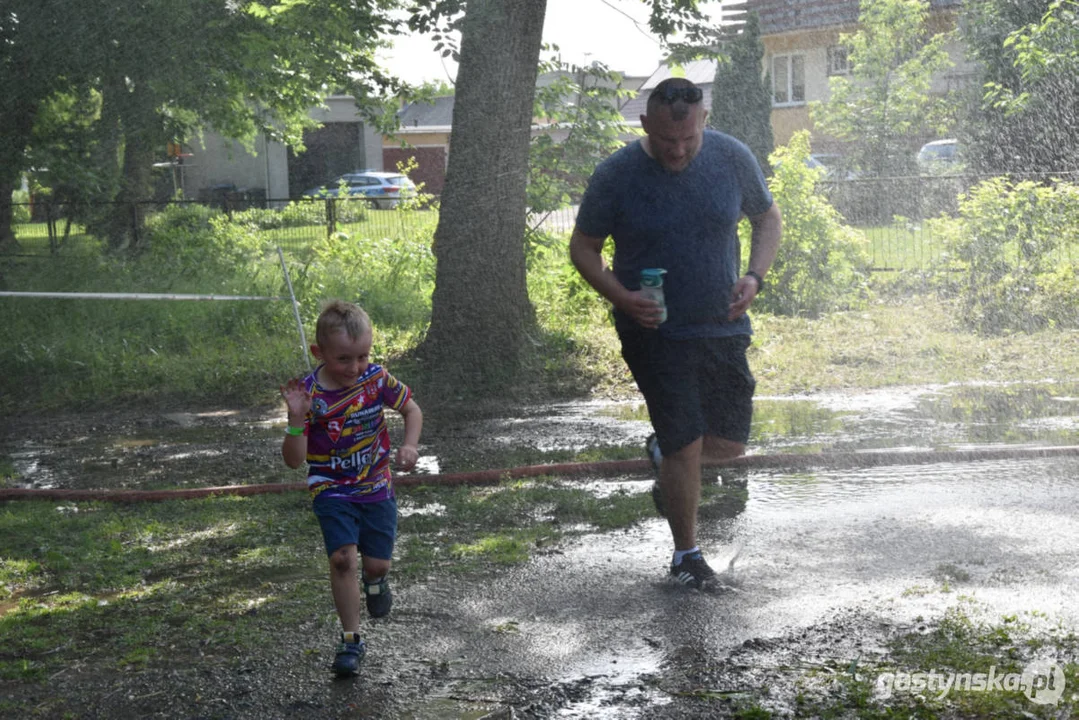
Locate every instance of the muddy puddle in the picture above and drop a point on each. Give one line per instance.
(224, 447)
(822, 566)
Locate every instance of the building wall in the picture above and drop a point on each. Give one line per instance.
(270, 165)
(217, 161)
(431, 151)
(430, 164)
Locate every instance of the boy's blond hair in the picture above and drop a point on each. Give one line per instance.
(339, 315)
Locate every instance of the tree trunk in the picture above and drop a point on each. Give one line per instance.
(17, 124)
(128, 126)
(7, 232)
(480, 309)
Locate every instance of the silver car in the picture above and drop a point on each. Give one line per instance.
(380, 189)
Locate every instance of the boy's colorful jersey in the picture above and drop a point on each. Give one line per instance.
(348, 444)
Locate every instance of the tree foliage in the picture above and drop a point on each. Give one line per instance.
(741, 98)
(884, 110)
(579, 125)
(1022, 114)
(822, 264)
(169, 68)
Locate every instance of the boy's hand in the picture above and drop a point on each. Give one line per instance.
(407, 457)
(296, 398)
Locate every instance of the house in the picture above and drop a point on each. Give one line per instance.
(802, 51)
(424, 134)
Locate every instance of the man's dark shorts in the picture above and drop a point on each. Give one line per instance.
(371, 527)
(693, 387)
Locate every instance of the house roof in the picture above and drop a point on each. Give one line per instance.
(779, 16)
(426, 115)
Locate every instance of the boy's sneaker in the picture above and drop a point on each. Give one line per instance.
(651, 447)
(349, 654)
(692, 572)
(379, 598)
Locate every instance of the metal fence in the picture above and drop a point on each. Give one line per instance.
(890, 212)
(58, 230)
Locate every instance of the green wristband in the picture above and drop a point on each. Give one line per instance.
(290, 430)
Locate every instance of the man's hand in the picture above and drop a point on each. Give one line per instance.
(742, 295)
(645, 311)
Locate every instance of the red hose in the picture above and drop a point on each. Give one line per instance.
(608, 467)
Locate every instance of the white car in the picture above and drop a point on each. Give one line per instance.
(939, 153)
(381, 189)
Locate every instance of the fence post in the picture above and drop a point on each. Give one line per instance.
(331, 216)
(50, 225)
(134, 224)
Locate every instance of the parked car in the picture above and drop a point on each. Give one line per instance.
(830, 163)
(939, 155)
(381, 189)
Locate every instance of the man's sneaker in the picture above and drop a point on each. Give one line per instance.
(349, 654)
(692, 572)
(651, 447)
(379, 598)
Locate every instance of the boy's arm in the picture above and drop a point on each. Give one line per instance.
(409, 452)
(294, 447)
(298, 401)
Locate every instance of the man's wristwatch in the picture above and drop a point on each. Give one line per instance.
(758, 278)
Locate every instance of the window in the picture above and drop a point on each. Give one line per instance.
(838, 62)
(788, 79)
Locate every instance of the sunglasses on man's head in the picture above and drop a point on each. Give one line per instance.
(690, 94)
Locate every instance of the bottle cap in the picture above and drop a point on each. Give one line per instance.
(652, 277)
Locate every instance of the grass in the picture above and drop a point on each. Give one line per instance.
(915, 342)
(903, 246)
(142, 586)
(960, 645)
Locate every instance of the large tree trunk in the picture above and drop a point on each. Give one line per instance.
(480, 309)
(128, 131)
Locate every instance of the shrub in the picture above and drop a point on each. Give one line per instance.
(303, 213)
(1018, 244)
(392, 278)
(20, 210)
(193, 243)
(822, 264)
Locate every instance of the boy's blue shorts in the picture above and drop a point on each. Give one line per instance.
(371, 527)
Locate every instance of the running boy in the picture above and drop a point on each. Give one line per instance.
(336, 424)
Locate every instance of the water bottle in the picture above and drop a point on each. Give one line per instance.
(652, 288)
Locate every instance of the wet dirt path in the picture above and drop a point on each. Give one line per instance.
(830, 565)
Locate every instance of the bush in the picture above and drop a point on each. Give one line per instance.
(822, 264)
(20, 210)
(1018, 245)
(391, 278)
(303, 213)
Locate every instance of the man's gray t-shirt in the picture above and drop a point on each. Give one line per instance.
(685, 222)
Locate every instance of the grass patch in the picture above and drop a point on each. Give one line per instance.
(136, 587)
(959, 646)
(914, 343)
(903, 246)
